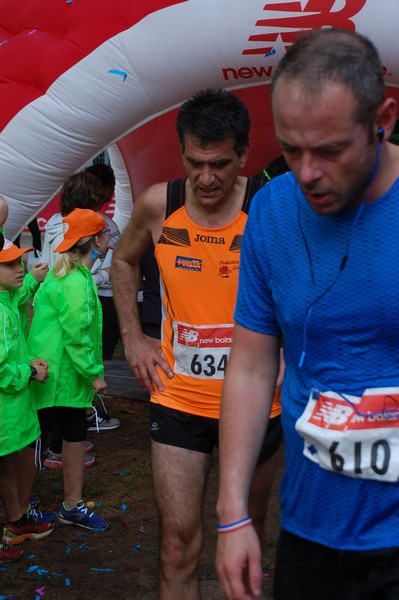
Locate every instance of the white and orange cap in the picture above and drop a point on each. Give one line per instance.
(11, 252)
(80, 223)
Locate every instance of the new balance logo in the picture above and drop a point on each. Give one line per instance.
(282, 23)
(246, 72)
(287, 19)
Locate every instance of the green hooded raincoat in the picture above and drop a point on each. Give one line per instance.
(19, 425)
(66, 332)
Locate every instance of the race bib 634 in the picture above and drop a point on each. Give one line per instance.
(201, 350)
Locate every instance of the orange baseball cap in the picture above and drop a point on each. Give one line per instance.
(11, 252)
(80, 223)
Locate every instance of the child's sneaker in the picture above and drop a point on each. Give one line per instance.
(40, 516)
(82, 516)
(54, 461)
(99, 419)
(103, 422)
(88, 445)
(8, 554)
(31, 530)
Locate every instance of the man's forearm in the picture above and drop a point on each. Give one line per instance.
(143, 353)
(125, 287)
(247, 396)
(242, 428)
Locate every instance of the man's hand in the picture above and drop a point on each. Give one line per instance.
(144, 356)
(99, 385)
(238, 563)
(42, 369)
(39, 271)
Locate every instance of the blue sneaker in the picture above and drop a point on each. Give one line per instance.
(82, 516)
(40, 516)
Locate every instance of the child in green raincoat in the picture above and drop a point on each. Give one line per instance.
(19, 424)
(66, 329)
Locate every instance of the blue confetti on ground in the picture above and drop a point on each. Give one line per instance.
(32, 569)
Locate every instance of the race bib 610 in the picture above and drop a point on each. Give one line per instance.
(351, 435)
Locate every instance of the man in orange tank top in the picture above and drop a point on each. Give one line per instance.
(196, 225)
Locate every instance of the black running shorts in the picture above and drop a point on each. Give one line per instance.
(201, 434)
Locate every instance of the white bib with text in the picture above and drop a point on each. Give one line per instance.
(351, 435)
(201, 350)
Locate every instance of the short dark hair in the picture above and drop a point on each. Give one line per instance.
(337, 55)
(81, 190)
(213, 115)
(104, 173)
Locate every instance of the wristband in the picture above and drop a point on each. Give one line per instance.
(234, 526)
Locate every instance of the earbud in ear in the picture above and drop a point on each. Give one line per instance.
(380, 134)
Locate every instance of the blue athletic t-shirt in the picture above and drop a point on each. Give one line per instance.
(345, 324)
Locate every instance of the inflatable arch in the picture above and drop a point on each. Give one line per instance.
(78, 76)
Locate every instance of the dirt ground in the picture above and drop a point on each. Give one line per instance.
(75, 564)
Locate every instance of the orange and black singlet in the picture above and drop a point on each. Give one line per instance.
(199, 278)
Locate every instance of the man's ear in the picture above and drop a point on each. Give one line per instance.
(244, 156)
(386, 118)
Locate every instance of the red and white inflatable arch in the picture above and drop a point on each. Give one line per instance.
(78, 76)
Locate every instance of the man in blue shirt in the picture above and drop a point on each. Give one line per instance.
(319, 269)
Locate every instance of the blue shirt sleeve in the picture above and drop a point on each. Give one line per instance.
(255, 307)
